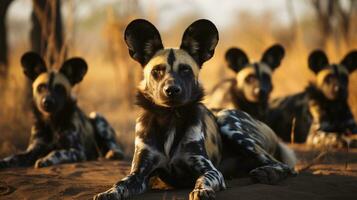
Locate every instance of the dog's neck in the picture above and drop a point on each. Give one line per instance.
(57, 120)
(256, 109)
(159, 121)
(149, 106)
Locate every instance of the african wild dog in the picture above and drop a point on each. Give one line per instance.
(177, 137)
(321, 112)
(62, 133)
(250, 89)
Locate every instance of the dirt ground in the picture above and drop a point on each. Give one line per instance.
(331, 175)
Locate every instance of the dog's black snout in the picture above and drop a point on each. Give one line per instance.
(48, 103)
(172, 90)
(263, 93)
(336, 88)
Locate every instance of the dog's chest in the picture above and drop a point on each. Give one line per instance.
(174, 140)
(77, 131)
(168, 144)
(175, 170)
(169, 135)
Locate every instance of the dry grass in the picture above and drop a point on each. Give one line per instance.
(102, 91)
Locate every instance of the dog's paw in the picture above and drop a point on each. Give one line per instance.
(114, 193)
(271, 174)
(202, 194)
(42, 163)
(114, 154)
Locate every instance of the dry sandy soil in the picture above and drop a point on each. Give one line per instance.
(330, 176)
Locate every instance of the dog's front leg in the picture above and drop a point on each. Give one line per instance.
(61, 156)
(26, 158)
(38, 146)
(209, 178)
(70, 150)
(146, 159)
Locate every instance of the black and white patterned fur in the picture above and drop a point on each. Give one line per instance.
(177, 137)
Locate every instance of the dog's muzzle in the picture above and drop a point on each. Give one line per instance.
(48, 103)
(172, 91)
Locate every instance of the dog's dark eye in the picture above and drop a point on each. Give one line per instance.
(158, 71)
(185, 69)
(59, 89)
(329, 78)
(250, 78)
(42, 87)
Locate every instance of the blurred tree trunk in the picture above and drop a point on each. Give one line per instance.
(4, 5)
(334, 20)
(46, 34)
(46, 31)
(294, 22)
(126, 75)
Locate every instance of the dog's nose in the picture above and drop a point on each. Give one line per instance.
(48, 103)
(263, 93)
(336, 88)
(172, 90)
(257, 91)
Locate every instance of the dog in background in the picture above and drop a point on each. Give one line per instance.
(62, 133)
(321, 112)
(177, 138)
(250, 89)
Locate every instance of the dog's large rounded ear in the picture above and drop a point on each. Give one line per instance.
(350, 61)
(32, 65)
(236, 59)
(74, 69)
(273, 56)
(143, 40)
(199, 40)
(317, 60)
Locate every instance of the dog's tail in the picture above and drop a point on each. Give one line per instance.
(287, 155)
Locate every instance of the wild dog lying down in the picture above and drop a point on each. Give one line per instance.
(177, 137)
(62, 133)
(250, 89)
(321, 112)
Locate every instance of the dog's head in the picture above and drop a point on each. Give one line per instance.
(171, 75)
(332, 79)
(52, 90)
(254, 79)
